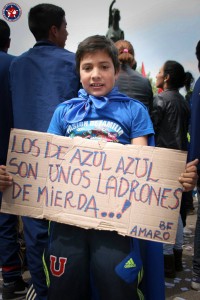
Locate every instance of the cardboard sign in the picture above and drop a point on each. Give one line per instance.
(133, 190)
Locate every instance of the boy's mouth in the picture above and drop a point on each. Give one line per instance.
(96, 84)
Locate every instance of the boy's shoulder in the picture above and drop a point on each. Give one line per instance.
(63, 107)
(39, 51)
(117, 96)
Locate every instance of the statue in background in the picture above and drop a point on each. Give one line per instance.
(114, 32)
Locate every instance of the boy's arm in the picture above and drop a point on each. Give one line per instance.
(142, 140)
(188, 179)
(5, 179)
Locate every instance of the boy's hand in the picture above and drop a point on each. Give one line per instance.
(188, 179)
(5, 179)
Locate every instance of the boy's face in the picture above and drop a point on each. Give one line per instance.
(61, 34)
(97, 73)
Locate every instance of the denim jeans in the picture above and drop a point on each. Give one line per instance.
(196, 258)
(9, 247)
(168, 248)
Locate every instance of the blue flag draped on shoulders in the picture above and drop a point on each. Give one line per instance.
(82, 104)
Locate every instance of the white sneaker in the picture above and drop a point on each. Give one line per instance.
(187, 231)
(195, 283)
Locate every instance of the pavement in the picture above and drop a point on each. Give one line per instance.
(178, 288)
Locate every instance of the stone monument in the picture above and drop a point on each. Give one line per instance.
(114, 32)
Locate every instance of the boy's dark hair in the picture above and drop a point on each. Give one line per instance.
(42, 17)
(4, 34)
(95, 43)
(176, 74)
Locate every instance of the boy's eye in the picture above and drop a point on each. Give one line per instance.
(86, 68)
(105, 67)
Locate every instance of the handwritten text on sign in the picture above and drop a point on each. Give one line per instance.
(131, 189)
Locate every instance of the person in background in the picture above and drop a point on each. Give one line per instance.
(129, 81)
(170, 117)
(11, 257)
(41, 78)
(187, 206)
(189, 86)
(194, 150)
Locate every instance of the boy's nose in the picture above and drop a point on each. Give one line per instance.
(96, 73)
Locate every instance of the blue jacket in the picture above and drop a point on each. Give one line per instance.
(41, 78)
(6, 118)
(194, 151)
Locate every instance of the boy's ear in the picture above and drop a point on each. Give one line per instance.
(53, 32)
(116, 75)
(166, 78)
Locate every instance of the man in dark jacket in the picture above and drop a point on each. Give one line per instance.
(10, 255)
(41, 78)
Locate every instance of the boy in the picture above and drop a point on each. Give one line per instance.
(92, 258)
(89, 264)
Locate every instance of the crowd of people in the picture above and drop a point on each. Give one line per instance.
(47, 89)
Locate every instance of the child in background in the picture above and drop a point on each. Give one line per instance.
(90, 264)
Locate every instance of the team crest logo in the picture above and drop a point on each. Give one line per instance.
(11, 12)
(61, 265)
